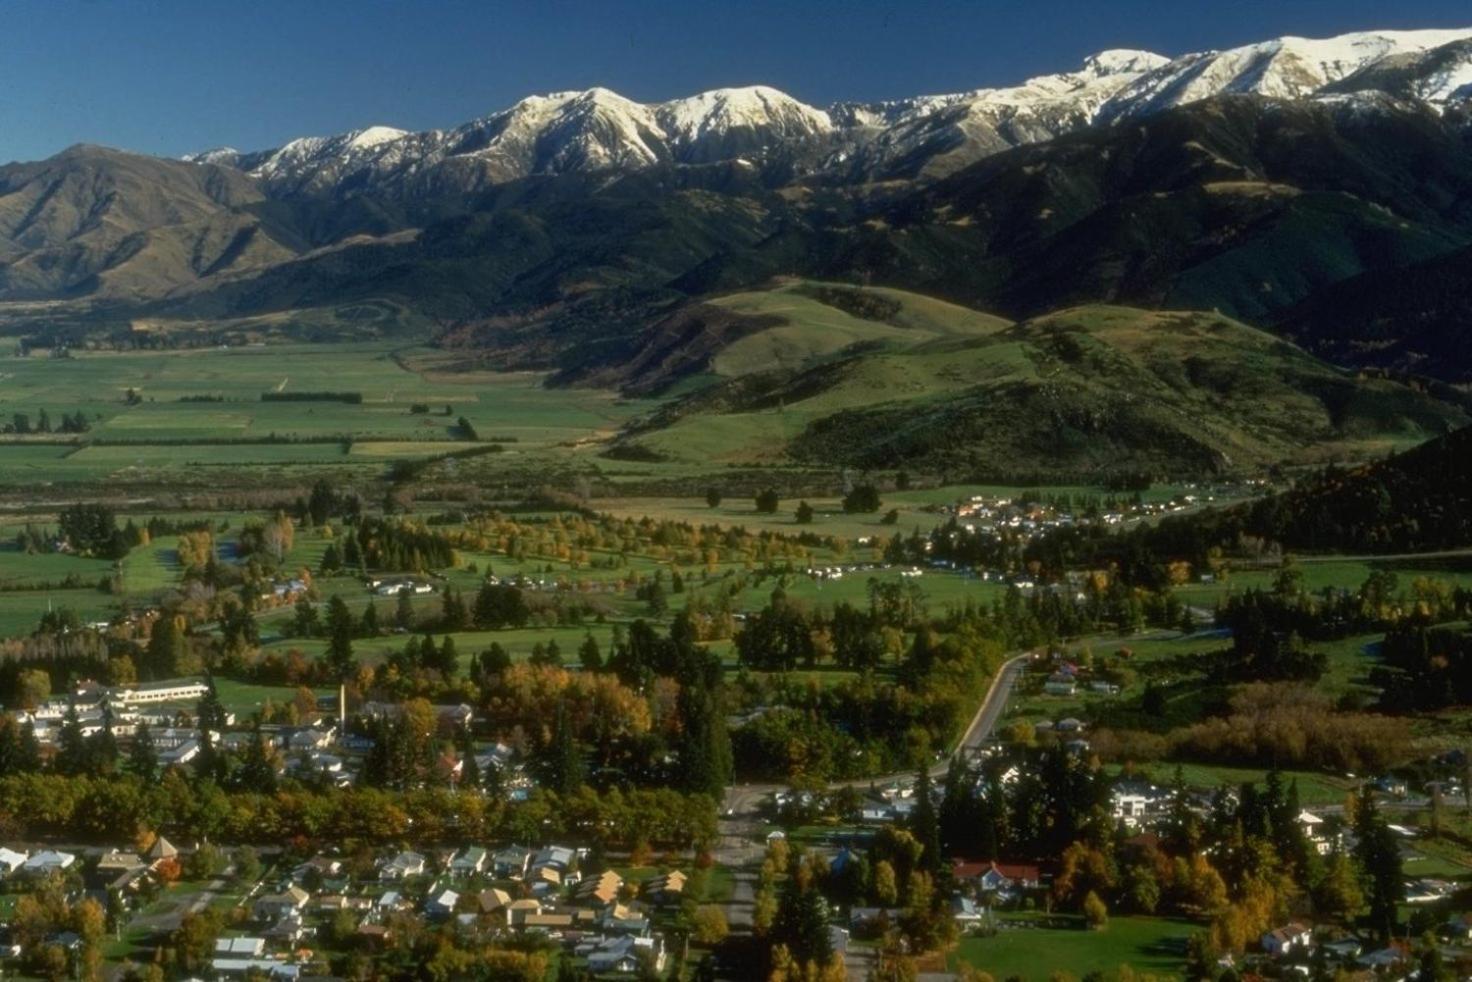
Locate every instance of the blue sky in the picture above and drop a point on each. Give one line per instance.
(169, 76)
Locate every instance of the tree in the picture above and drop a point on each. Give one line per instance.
(924, 823)
(305, 625)
(167, 651)
(802, 921)
(713, 498)
(564, 761)
(453, 615)
(340, 660)
(804, 513)
(257, 770)
(705, 752)
(767, 502)
(708, 925)
(33, 687)
(1379, 857)
(71, 746)
(370, 620)
(588, 654)
(1096, 913)
(863, 499)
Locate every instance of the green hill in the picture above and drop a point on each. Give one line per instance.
(793, 325)
(1091, 390)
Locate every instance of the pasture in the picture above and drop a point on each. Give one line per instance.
(155, 415)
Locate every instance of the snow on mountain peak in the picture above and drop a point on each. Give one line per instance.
(598, 128)
(750, 106)
(374, 135)
(1122, 61)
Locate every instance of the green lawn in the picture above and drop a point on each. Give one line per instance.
(1146, 944)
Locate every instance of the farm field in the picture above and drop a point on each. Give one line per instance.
(153, 413)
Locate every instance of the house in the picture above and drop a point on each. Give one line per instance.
(519, 910)
(468, 861)
(549, 923)
(599, 891)
(114, 864)
(179, 755)
(276, 906)
(493, 900)
(442, 904)
(241, 968)
(1059, 684)
(511, 862)
(160, 850)
(666, 889)
(402, 866)
(48, 861)
(240, 947)
(1343, 949)
(965, 912)
(10, 860)
(1285, 940)
(623, 955)
(544, 880)
(994, 877)
(622, 919)
(318, 868)
(559, 858)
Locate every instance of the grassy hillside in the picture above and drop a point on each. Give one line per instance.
(793, 325)
(1090, 390)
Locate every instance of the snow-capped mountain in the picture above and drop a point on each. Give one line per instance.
(920, 137)
(1283, 68)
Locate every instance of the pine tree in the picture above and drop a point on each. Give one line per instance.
(564, 765)
(211, 711)
(404, 611)
(924, 824)
(453, 615)
(143, 756)
(340, 660)
(588, 654)
(166, 652)
(257, 773)
(370, 618)
(71, 746)
(305, 625)
(705, 751)
(1379, 857)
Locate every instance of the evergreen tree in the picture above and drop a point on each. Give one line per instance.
(257, 773)
(143, 755)
(102, 746)
(167, 650)
(340, 660)
(1379, 858)
(453, 615)
(924, 824)
(28, 753)
(802, 921)
(305, 625)
(469, 768)
(564, 762)
(209, 763)
(705, 751)
(71, 746)
(404, 611)
(370, 619)
(588, 654)
(211, 711)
